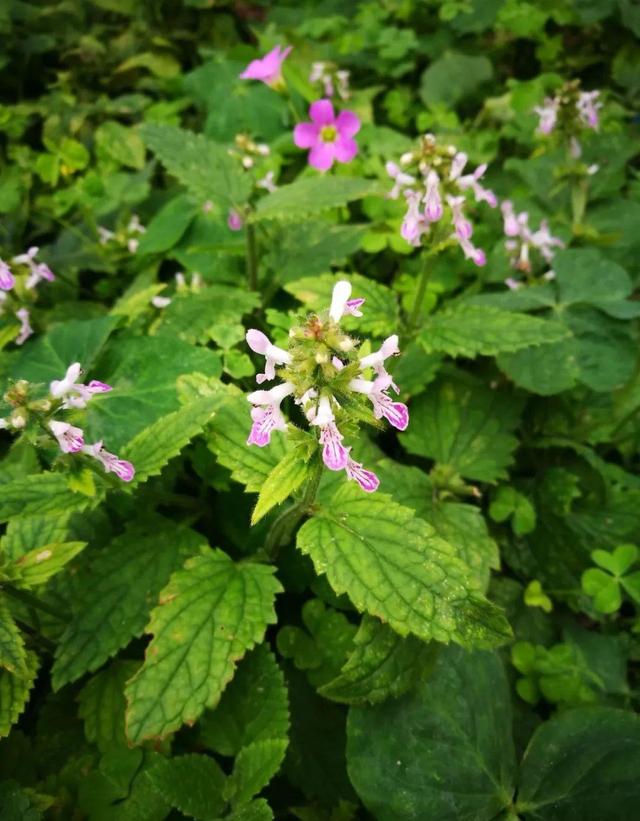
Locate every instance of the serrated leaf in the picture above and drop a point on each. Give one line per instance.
(203, 166)
(190, 315)
(13, 656)
(393, 566)
(193, 784)
(154, 446)
(40, 494)
(102, 705)
(380, 311)
(254, 767)
(228, 441)
(14, 692)
(285, 478)
(443, 751)
(464, 425)
(257, 810)
(167, 226)
(471, 330)
(49, 356)
(210, 614)
(37, 566)
(114, 603)
(254, 707)
(312, 195)
(383, 665)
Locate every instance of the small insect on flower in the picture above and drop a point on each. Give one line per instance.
(329, 137)
(324, 373)
(267, 69)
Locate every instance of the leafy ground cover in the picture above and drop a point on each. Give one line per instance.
(321, 410)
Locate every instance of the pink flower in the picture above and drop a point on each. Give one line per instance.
(512, 284)
(462, 226)
(414, 224)
(511, 222)
(588, 107)
(124, 470)
(396, 413)
(7, 279)
(267, 415)
(367, 479)
(545, 242)
(334, 454)
(70, 439)
(39, 271)
(274, 355)
(267, 69)
(75, 394)
(234, 220)
(548, 114)
(377, 359)
(401, 180)
(341, 304)
(25, 326)
(479, 192)
(433, 202)
(329, 137)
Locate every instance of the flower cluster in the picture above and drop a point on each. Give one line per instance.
(521, 238)
(328, 136)
(327, 378)
(30, 274)
(332, 79)
(68, 393)
(129, 238)
(569, 112)
(436, 189)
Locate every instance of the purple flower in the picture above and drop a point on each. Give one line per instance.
(432, 200)
(234, 220)
(588, 106)
(70, 439)
(329, 137)
(267, 69)
(341, 303)
(367, 479)
(414, 224)
(39, 271)
(274, 355)
(267, 415)
(396, 413)
(124, 470)
(75, 394)
(400, 179)
(334, 454)
(7, 279)
(548, 114)
(25, 326)
(377, 359)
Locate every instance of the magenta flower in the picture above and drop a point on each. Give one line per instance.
(396, 413)
(234, 220)
(267, 69)
(329, 137)
(39, 270)
(266, 415)
(7, 279)
(124, 470)
(75, 394)
(70, 439)
(367, 479)
(274, 355)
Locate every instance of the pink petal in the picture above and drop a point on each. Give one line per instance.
(397, 414)
(345, 149)
(321, 156)
(305, 135)
(257, 341)
(335, 455)
(254, 71)
(124, 470)
(347, 123)
(321, 112)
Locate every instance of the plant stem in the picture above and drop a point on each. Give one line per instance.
(252, 258)
(33, 601)
(282, 529)
(422, 287)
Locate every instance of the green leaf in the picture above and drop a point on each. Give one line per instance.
(284, 479)
(582, 763)
(191, 315)
(37, 566)
(470, 330)
(508, 502)
(604, 589)
(453, 77)
(312, 249)
(210, 614)
(13, 656)
(203, 166)
(394, 567)
(113, 604)
(228, 440)
(40, 494)
(14, 693)
(383, 665)
(585, 276)
(102, 705)
(312, 195)
(27, 533)
(619, 561)
(143, 372)
(254, 767)
(443, 751)
(381, 308)
(167, 226)
(120, 143)
(466, 426)
(193, 784)
(254, 707)
(154, 446)
(75, 341)
(257, 810)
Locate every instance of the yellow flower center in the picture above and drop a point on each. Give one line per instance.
(328, 133)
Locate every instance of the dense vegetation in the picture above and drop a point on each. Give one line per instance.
(399, 577)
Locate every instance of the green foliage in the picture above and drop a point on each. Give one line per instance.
(284, 479)
(606, 582)
(311, 196)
